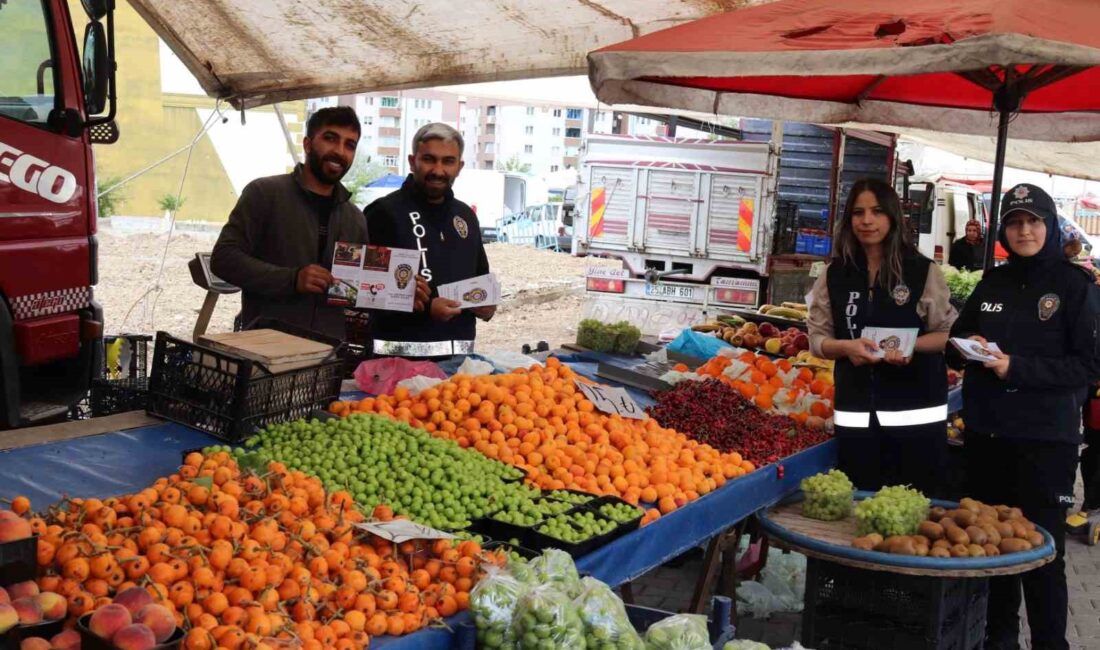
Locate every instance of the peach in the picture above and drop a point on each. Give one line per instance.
(12, 530)
(5, 599)
(108, 620)
(134, 637)
(54, 606)
(133, 599)
(34, 643)
(66, 640)
(23, 589)
(9, 618)
(28, 609)
(158, 619)
(8, 515)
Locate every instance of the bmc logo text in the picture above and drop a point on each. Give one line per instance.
(34, 175)
(992, 307)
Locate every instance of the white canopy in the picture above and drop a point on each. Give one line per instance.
(256, 52)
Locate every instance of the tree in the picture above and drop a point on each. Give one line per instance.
(514, 165)
(107, 205)
(363, 172)
(171, 203)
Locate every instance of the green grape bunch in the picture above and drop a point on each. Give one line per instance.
(894, 510)
(828, 496)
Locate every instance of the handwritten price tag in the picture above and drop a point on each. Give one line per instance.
(613, 401)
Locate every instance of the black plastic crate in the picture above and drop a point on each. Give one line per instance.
(539, 541)
(786, 228)
(230, 397)
(858, 609)
(137, 366)
(623, 528)
(108, 397)
(18, 561)
(11, 639)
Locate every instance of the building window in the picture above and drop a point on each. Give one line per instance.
(389, 161)
(528, 148)
(390, 122)
(390, 102)
(557, 112)
(573, 133)
(490, 148)
(553, 168)
(389, 141)
(490, 129)
(574, 114)
(369, 101)
(368, 120)
(491, 111)
(529, 130)
(530, 111)
(557, 131)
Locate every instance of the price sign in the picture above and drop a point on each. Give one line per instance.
(402, 530)
(613, 401)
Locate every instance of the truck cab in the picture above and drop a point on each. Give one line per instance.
(50, 92)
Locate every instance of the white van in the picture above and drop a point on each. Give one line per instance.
(938, 212)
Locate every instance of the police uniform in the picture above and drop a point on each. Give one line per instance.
(1023, 432)
(890, 421)
(448, 237)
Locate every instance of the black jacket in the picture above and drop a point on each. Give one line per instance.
(449, 238)
(967, 256)
(1044, 314)
(273, 232)
(883, 387)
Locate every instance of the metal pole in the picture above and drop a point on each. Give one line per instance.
(998, 178)
(286, 134)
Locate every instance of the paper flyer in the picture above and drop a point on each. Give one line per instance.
(482, 291)
(374, 277)
(903, 340)
(974, 350)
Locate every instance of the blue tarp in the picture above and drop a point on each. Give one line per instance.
(389, 180)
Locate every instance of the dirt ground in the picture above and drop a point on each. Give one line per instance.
(543, 291)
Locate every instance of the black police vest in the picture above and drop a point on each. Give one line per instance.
(900, 396)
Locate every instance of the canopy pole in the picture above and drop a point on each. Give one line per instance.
(998, 179)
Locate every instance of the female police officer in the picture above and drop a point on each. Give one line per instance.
(891, 410)
(1023, 411)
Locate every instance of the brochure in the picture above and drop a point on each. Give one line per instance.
(481, 291)
(974, 350)
(903, 340)
(374, 277)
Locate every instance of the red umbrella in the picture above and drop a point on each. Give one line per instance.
(944, 65)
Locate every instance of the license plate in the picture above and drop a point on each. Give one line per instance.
(669, 291)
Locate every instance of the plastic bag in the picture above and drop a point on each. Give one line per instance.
(545, 617)
(679, 632)
(474, 367)
(493, 604)
(746, 645)
(780, 587)
(696, 344)
(381, 376)
(556, 568)
(509, 361)
(419, 384)
(605, 620)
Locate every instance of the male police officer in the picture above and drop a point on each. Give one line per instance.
(425, 216)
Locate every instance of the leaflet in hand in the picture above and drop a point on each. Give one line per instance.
(904, 340)
(975, 350)
(482, 291)
(374, 277)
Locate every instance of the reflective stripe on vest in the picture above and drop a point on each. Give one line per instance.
(913, 417)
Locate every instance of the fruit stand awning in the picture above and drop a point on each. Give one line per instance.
(262, 51)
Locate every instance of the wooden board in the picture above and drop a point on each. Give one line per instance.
(278, 351)
(842, 532)
(32, 436)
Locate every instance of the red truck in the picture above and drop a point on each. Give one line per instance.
(56, 100)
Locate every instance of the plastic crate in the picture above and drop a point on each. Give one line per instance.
(859, 609)
(108, 397)
(11, 639)
(89, 641)
(18, 561)
(137, 367)
(230, 397)
(786, 228)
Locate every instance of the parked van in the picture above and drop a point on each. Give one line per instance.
(939, 209)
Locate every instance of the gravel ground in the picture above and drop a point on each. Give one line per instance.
(543, 291)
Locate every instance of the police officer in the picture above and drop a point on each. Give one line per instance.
(425, 216)
(1023, 411)
(891, 411)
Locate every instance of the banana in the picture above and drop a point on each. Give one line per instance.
(707, 327)
(785, 312)
(796, 305)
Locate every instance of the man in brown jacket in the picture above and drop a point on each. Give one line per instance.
(278, 244)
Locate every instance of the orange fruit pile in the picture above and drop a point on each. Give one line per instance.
(538, 420)
(247, 560)
(768, 382)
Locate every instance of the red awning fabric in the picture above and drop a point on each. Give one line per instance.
(895, 62)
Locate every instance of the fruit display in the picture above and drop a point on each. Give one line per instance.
(576, 527)
(680, 632)
(713, 413)
(244, 556)
(606, 624)
(538, 420)
(620, 512)
(764, 336)
(827, 496)
(493, 605)
(955, 428)
(24, 604)
(380, 460)
(797, 388)
(620, 338)
(974, 529)
(556, 569)
(547, 618)
(893, 510)
(132, 621)
(746, 645)
(789, 310)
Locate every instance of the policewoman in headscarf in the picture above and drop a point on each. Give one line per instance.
(890, 410)
(1023, 411)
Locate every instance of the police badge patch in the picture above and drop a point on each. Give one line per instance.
(1048, 304)
(461, 227)
(901, 294)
